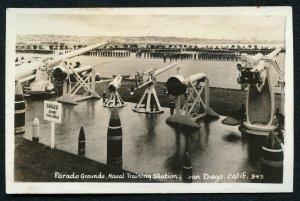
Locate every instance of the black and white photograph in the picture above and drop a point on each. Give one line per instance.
(149, 100)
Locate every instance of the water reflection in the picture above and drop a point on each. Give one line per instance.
(149, 144)
(91, 108)
(203, 133)
(150, 125)
(251, 164)
(66, 112)
(254, 144)
(232, 138)
(175, 162)
(186, 140)
(145, 141)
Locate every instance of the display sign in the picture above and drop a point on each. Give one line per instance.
(52, 111)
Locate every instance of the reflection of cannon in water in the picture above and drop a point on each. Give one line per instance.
(179, 162)
(149, 102)
(192, 90)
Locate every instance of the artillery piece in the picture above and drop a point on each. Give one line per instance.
(149, 102)
(194, 91)
(115, 99)
(38, 72)
(259, 114)
(84, 78)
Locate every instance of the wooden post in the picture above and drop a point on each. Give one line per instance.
(52, 135)
(206, 85)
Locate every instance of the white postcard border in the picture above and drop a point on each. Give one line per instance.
(53, 188)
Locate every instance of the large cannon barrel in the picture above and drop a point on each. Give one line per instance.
(262, 64)
(274, 53)
(29, 69)
(177, 85)
(255, 61)
(256, 58)
(26, 70)
(159, 71)
(196, 77)
(251, 67)
(115, 84)
(149, 71)
(75, 53)
(61, 72)
(25, 79)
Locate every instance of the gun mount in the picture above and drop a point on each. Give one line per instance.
(194, 91)
(73, 80)
(38, 72)
(149, 102)
(254, 71)
(115, 99)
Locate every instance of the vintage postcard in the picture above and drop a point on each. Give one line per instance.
(149, 100)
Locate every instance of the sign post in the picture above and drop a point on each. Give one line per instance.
(52, 135)
(52, 113)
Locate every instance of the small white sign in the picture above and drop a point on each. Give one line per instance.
(52, 111)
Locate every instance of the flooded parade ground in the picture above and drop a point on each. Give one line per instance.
(139, 100)
(218, 153)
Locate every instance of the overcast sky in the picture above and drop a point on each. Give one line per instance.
(212, 27)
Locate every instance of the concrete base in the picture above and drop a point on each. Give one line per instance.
(182, 120)
(210, 112)
(75, 98)
(253, 129)
(67, 99)
(144, 111)
(95, 95)
(114, 100)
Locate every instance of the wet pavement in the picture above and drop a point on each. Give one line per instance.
(218, 153)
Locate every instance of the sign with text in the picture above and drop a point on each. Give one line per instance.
(52, 111)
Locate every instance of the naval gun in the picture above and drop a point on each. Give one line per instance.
(149, 102)
(258, 116)
(115, 99)
(78, 82)
(38, 72)
(194, 91)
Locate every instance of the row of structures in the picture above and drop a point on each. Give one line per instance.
(231, 54)
(171, 52)
(133, 46)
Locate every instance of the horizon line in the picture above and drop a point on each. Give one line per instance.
(151, 36)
